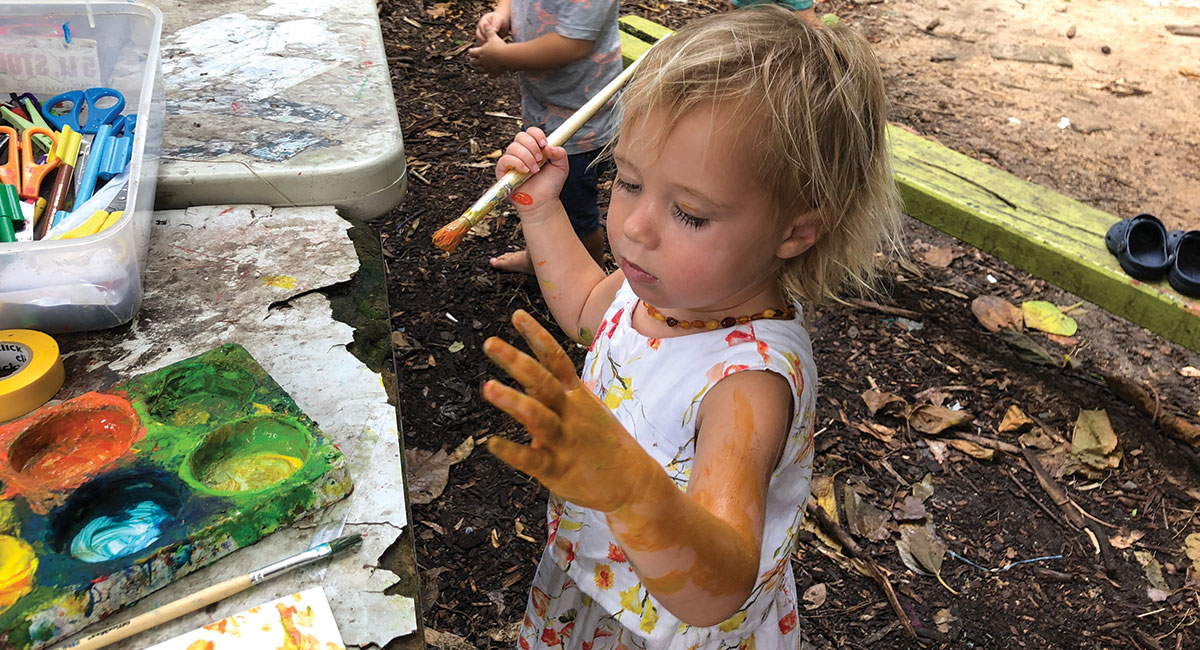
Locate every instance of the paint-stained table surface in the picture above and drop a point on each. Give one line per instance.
(302, 290)
(278, 102)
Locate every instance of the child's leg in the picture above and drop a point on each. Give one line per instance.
(578, 196)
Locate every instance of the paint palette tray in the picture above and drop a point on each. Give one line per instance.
(110, 496)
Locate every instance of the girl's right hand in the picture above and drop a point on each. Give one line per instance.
(495, 21)
(530, 152)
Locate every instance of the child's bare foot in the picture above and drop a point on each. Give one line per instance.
(518, 262)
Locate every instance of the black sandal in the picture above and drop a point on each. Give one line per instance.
(1140, 244)
(1184, 274)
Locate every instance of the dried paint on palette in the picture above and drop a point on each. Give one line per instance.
(110, 496)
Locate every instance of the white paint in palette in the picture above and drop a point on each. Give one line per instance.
(235, 49)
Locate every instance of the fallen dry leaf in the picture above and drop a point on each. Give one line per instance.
(821, 491)
(923, 489)
(1029, 350)
(1014, 420)
(931, 419)
(940, 257)
(438, 10)
(862, 517)
(910, 509)
(1046, 317)
(428, 472)
(1158, 590)
(971, 449)
(461, 452)
(1189, 371)
(996, 313)
(937, 449)
(1094, 443)
(1036, 439)
(815, 595)
(877, 431)
(876, 400)
(1126, 539)
(922, 551)
(437, 134)
(942, 619)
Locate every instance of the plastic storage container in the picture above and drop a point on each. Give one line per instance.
(93, 282)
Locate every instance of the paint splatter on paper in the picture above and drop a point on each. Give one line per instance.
(301, 621)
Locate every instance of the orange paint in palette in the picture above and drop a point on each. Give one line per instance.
(64, 445)
(110, 496)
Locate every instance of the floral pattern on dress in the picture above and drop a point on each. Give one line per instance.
(586, 594)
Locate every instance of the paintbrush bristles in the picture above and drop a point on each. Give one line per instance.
(451, 235)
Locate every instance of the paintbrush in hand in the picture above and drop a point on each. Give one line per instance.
(210, 595)
(449, 236)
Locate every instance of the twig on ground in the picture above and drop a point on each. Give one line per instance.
(1064, 503)
(990, 443)
(886, 309)
(1053, 515)
(851, 549)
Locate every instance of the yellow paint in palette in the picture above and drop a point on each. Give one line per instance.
(250, 472)
(17, 566)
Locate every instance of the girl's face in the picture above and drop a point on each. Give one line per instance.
(688, 223)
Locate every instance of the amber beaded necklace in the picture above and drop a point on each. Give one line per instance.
(728, 321)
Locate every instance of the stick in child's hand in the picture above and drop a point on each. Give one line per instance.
(450, 235)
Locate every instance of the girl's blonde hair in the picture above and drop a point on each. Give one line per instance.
(812, 98)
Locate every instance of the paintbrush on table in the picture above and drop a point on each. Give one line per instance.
(210, 595)
(448, 237)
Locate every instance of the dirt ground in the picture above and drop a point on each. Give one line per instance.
(1132, 145)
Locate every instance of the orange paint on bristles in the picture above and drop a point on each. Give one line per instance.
(451, 235)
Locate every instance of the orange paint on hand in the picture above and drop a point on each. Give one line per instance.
(522, 198)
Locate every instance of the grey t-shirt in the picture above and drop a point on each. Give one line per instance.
(549, 97)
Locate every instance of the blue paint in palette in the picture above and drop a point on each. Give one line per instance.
(109, 537)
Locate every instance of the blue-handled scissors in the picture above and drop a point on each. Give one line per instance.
(88, 101)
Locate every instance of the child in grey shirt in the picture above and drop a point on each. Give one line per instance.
(564, 52)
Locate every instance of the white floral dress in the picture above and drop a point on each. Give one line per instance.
(585, 594)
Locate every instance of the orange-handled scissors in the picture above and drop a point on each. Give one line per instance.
(10, 171)
(31, 172)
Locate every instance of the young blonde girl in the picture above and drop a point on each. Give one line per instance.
(752, 172)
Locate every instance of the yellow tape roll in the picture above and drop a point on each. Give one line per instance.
(31, 371)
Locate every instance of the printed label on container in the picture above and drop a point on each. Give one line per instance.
(47, 66)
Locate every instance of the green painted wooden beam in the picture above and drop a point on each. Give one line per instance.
(632, 48)
(1047, 234)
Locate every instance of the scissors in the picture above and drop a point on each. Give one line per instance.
(88, 101)
(10, 171)
(31, 172)
(23, 124)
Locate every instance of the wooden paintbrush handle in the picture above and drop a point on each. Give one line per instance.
(502, 188)
(167, 612)
(568, 128)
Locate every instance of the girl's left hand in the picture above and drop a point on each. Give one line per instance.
(579, 450)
